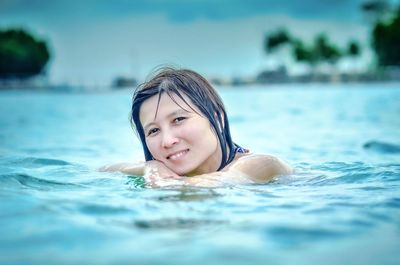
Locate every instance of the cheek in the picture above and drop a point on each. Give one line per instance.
(152, 146)
(206, 133)
(213, 137)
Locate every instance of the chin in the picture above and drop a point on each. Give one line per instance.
(184, 171)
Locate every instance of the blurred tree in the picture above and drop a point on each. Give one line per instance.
(353, 49)
(276, 45)
(386, 40)
(321, 51)
(21, 55)
(324, 51)
(353, 52)
(375, 9)
(302, 53)
(276, 39)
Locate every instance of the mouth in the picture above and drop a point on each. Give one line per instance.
(177, 155)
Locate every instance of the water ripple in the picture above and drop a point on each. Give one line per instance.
(343, 166)
(176, 223)
(332, 173)
(32, 162)
(393, 203)
(382, 147)
(293, 236)
(34, 182)
(99, 209)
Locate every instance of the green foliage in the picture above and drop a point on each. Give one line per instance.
(324, 50)
(353, 49)
(375, 8)
(21, 55)
(386, 41)
(276, 39)
(321, 51)
(303, 53)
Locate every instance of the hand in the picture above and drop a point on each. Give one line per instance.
(157, 174)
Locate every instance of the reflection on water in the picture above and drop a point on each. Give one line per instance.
(188, 194)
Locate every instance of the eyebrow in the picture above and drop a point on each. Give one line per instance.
(174, 113)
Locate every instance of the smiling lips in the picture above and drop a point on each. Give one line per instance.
(177, 155)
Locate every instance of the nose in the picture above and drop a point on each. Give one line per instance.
(169, 139)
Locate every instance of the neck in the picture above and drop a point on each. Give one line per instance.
(211, 165)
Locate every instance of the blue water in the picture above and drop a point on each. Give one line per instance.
(342, 206)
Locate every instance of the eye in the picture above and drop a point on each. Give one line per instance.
(152, 131)
(179, 120)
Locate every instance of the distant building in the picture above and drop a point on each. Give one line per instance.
(278, 75)
(124, 82)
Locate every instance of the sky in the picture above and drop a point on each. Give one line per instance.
(94, 41)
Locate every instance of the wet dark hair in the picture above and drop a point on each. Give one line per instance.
(186, 82)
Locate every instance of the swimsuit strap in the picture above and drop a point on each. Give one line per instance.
(241, 150)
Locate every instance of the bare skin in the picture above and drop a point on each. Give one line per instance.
(244, 169)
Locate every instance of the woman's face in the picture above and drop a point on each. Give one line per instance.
(180, 138)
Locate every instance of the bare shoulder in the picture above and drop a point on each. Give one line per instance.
(260, 168)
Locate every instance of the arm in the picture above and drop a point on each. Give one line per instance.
(257, 168)
(148, 168)
(154, 172)
(136, 169)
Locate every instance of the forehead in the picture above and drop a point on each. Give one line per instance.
(162, 105)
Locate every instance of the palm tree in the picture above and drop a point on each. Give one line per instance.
(325, 51)
(274, 42)
(276, 39)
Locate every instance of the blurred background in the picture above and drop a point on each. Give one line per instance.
(96, 45)
(314, 82)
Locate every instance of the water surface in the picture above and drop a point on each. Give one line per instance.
(342, 206)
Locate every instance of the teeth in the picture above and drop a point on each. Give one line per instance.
(177, 155)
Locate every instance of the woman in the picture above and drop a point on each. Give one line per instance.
(184, 130)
